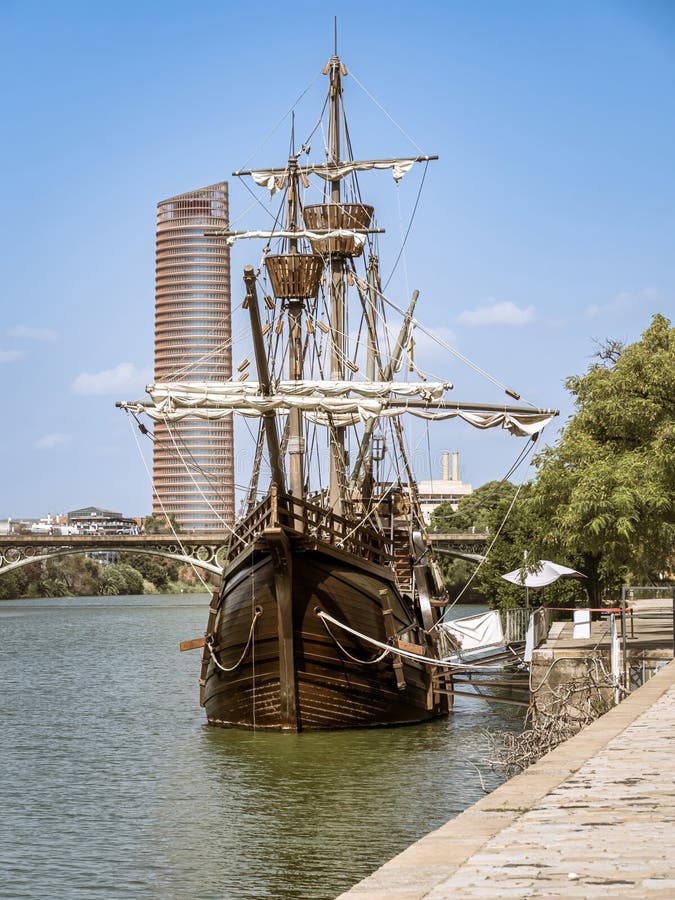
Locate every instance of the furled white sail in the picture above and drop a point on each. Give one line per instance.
(357, 236)
(338, 403)
(221, 393)
(275, 179)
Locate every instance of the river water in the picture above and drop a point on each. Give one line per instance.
(113, 787)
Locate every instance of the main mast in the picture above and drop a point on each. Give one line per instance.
(296, 439)
(337, 290)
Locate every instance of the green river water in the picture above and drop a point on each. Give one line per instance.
(113, 787)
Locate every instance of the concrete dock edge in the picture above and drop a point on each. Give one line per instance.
(434, 859)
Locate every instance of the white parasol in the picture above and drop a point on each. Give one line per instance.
(546, 573)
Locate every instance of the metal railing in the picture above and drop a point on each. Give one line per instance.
(514, 623)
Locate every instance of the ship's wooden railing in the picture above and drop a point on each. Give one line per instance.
(282, 510)
(338, 531)
(246, 529)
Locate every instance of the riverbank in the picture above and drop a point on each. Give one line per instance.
(597, 814)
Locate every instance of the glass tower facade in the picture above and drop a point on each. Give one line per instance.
(193, 461)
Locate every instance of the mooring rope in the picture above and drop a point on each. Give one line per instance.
(406, 654)
(210, 641)
(363, 662)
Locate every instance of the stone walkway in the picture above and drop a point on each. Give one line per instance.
(593, 818)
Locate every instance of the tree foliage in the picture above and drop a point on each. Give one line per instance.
(476, 511)
(604, 493)
(162, 525)
(120, 578)
(155, 569)
(602, 498)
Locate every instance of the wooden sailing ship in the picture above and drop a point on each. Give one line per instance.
(325, 616)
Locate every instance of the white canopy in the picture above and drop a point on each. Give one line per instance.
(546, 573)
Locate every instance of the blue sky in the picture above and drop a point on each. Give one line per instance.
(547, 222)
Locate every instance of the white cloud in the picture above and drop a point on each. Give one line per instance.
(497, 313)
(126, 378)
(33, 334)
(10, 356)
(622, 303)
(52, 440)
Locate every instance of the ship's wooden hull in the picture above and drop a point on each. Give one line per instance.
(295, 675)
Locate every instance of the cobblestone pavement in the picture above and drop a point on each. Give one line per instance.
(607, 830)
(596, 819)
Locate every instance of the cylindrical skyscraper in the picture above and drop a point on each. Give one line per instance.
(193, 464)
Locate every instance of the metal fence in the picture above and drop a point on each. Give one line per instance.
(514, 622)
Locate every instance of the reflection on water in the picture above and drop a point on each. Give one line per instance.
(112, 785)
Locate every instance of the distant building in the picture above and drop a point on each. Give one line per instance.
(193, 460)
(447, 489)
(92, 520)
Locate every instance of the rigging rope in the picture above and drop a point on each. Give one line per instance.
(410, 223)
(391, 119)
(229, 343)
(214, 480)
(343, 649)
(192, 478)
(210, 643)
(452, 350)
(282, 119)
(531, 446)
(166, 515)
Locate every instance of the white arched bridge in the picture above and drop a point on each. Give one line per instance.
(207, 551)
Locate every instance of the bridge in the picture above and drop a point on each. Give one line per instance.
(205, 550)
(202, 550)
(463, 545)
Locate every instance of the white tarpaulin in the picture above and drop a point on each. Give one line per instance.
(546, 573)
(474, 632)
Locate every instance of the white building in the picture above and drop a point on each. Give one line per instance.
(445, 489)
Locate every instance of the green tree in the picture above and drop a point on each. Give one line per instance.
(162, 525)
(120, 578)
(155, 569)
(476, 510)
(604, 493)
(490, 509)
(80, 575)
(514, 525)
(13, 584)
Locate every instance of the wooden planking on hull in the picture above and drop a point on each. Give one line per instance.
(325, 679)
